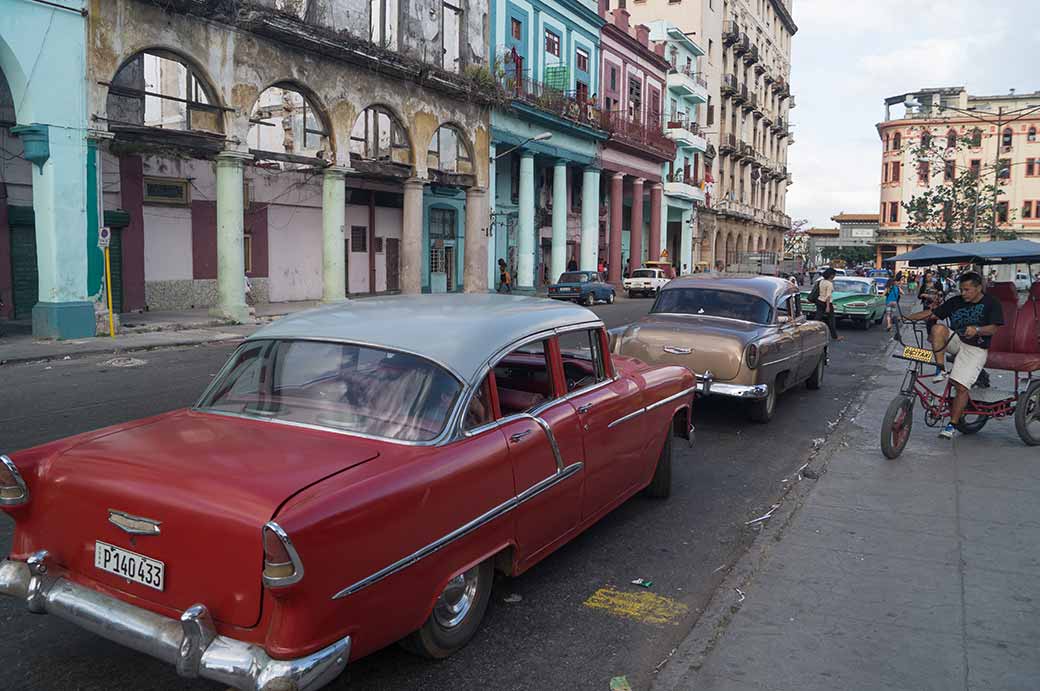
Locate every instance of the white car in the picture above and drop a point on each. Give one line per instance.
(1022, 281)
(645, 282)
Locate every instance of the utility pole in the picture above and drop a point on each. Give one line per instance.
(996, 175)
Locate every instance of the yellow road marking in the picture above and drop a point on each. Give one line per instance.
(643, 606)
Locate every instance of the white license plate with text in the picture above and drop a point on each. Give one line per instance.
(130, 565)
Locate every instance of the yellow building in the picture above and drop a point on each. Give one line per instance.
(1001, 129)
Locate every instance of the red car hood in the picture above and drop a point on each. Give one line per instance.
(211, 480)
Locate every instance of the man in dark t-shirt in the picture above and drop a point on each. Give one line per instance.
(974, 318)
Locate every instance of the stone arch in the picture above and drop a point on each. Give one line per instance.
(130, 101)
(13, 83)
(450, 151)
(288, 118)
(379, 134)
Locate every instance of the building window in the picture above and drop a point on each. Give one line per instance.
(1002, 212)
(581, 60)
(976, 138)
(1027, 209)
(1007, 137)
(517, 29)
(1030, 167)
(975, 167)
(895, 171)
(378, 136)
(922, 172)
(451, 31)
(893, 212)
(926, 140)
(897, 141)
(950, 172)
(1004, 169)
(635, 99)
(582, 92)
(951, 140)
(552, 43)
(358, 239)
(247, 249)
(885, 146)
(449, 152)
(884, 172)
(1031, 135)
(377, 244)
(382, 23)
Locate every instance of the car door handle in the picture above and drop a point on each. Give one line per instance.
(585, 408)
(519, 436)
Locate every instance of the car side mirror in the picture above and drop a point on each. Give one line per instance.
(783, 319)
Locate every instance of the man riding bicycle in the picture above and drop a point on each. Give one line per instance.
(974, 319)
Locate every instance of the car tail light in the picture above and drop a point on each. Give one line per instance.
(13, 491)
(282, 565)
(751, 354)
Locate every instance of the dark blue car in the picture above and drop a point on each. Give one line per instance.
(585, 287)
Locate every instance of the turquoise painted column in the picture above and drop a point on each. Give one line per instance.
(686, 244)
(525, 230)
(492, 260)
(59, 177)
(589, 219)
(333, 227)
(559, 222)
(231, 267)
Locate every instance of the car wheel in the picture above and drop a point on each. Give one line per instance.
(815, 381)
(1027, 415)
(456, 615)
(589, 300)
(762, 410)
(610, 298)
(661, 484)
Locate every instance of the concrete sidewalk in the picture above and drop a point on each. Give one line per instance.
(917, 573)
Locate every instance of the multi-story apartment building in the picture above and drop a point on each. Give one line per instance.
(745, 116)
(317, 147)
(1002, 134)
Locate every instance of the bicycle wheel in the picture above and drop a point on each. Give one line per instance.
(896, 426)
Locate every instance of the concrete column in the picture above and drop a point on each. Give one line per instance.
(656, 194)
(589, 219)
(635, 244)
(492, 260)
(525, 229)
(616, 208)
(411, 237)
(686, 243)
(559, 222)
(333, 228)
(475, 252)
(231, 264)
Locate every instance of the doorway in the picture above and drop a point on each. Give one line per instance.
(443, 223)
(393, 265)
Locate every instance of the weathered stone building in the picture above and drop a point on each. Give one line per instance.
(320, 147)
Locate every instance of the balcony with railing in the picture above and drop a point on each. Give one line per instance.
(684, 81)
(729, 85)
(750, 101)
(685, 133)
(743, 45)
(790, 101)
(551, 99)
(683, 184)
(625, 130)
(727, 144)
(740, 95)
(730, 32)
(746, 152)
(751, 56)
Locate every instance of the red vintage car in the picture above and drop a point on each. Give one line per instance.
(352, 477)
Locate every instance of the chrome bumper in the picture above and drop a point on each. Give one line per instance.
(740, 390)
(191, 644)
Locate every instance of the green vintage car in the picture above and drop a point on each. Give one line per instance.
(855, 299)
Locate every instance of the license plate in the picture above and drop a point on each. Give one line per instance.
(918, 354)
(130, 565)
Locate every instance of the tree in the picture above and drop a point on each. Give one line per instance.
(958, 203)
(796, 240)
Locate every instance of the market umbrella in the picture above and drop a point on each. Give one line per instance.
(985, 253)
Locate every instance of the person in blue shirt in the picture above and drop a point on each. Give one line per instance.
(892, 296)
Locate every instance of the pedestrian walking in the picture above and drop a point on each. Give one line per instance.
(572, 265)
(892, 296)
(822, 296)
(505, 281)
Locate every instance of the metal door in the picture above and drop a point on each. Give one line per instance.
(25, 277)
(393, 264)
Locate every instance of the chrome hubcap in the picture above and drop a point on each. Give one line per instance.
(457, 599)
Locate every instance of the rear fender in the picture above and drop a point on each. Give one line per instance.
(682, 425)
(499, 557)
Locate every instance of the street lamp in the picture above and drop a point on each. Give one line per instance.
(541, 137)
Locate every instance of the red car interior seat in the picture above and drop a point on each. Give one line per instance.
(1024, 355)
(1005, 293)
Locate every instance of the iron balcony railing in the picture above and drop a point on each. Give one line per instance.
(730, 85)
(624, 128)
(565, 104)
(730, 32)
(751, 56)
(691, 72)
(727, 143)
(682, 121)
(681, 175)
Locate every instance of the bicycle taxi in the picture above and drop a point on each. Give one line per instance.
(1015, 348)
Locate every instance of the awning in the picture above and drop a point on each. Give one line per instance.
(985, 253)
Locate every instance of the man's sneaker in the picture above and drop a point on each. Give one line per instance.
(939, 377)
(947, 432)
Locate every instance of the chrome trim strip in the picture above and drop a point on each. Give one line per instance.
(552, 442)
(134, 525)
(666, 401)
(19, 481)
(740, 390)
(294, 556)
(626, 418)
(500, 510)
(319, 428)
(676, 350)
(776, 362)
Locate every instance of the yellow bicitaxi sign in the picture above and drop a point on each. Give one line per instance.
(644, 607)
(918, 354)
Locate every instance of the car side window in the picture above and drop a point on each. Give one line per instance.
(523, 378)
(479, 411)
(582, 354)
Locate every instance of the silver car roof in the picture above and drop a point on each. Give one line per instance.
(458, 331)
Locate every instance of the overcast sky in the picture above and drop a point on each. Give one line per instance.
(847, 57)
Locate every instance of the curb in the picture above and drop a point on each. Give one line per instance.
(726, 601)
(114, 350)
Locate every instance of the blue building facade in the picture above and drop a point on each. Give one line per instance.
(544, 178)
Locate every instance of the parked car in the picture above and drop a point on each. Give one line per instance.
(645, 281)
(748, 332)
(584, 287)
(855, 299)
(665, 266)
(354, 475)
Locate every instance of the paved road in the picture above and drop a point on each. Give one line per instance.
(548, 639)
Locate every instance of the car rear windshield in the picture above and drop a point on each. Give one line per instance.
(714, 303)
(570, 277)
(644, 273)
(339, 386)
(857, 287)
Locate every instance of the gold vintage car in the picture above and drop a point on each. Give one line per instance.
(747, 331)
